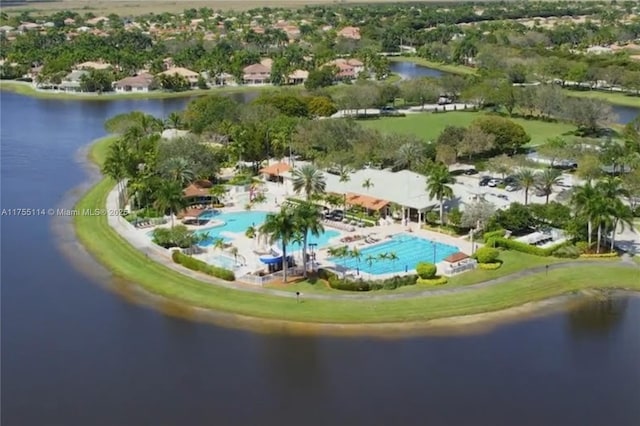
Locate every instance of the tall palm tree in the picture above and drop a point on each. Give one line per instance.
(174, 120)
(586, 201)
(612, 191)
(345, 176)
(281, 227)
(356, 254)
(438, 182)
(310, 180)
(547, 180)
(526, 178)
(307, 221)
(179, 169)
(621, 215)
(169, 197)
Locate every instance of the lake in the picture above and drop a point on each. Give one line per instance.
(407, 70)
(76, 353)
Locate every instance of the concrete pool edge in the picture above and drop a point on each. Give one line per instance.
(393, 320)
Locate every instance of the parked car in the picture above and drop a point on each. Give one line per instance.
(502, 196)
(470, 172)
(541, 192)
(493, 183)
(510, 180)
(511, 187)
(484, 181)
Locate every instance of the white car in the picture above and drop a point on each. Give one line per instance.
(493, 183)
(511, 188)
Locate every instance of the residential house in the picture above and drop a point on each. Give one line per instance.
(298, 77)
(28, 26)
(347, 68)
(5, 29)
(256, 74)
(350, 32)
(191, 76)
(140, 83)
(71, 82)
(97, 20)
(91, 65)
(69, 21)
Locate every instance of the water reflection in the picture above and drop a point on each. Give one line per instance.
(597, 317)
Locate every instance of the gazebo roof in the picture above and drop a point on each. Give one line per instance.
(197, 189)
(456, 257)
(276, 169)
(367, 202)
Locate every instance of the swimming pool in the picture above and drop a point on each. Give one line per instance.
(410, 251)
(238, 222)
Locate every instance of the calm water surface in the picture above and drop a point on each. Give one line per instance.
(74, 353)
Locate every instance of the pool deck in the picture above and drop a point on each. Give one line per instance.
(249, 249)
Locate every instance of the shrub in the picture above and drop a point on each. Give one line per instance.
(523, 247)
(200, 266)
(178, 236)
(493, 234)
(582, 246)
(490, 266)
(487, 254)
(338, 283)
(568, 251)
(426, 270)
(432, 281)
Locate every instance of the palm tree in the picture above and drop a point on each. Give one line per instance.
(179, 169)
(281, 227)
(620, 215)
(409, 154)
(612, 191)
(547, 180)
(169, 197)
(234, 253)
(218, 243)
(367, 184)
(526, 178)
(438, 182)
(393, 257)
(345, 176)
(310, 180)
(307, 220)
(298, 239)
(356, 254)
(586, 201)
(370, 259)
(114, 165)
(174, 120)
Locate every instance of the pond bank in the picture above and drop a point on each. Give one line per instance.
(127, 263)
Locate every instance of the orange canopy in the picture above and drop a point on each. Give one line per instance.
(456, 257)
(370, 203)
(275, 169)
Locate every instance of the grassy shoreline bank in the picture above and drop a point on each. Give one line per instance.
(23, 88)
(610, 97)
(124, 261)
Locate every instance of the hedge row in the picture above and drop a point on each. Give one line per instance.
(432, 281)
(200, 266)
(490, 266)
(345, 284)
(523, 247)
(599, 255)
(493, 234)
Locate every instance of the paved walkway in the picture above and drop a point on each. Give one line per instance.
(160, 255)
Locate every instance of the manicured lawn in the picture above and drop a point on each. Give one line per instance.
(126, 262)
(430, 125)
(611, 97)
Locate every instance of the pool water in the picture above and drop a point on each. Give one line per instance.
(238, 222)
(410, 251)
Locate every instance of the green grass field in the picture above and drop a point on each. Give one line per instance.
(611, 97)
(430, 125)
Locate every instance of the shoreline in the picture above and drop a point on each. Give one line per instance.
(26, 89)
(131, 274)
(619, 99)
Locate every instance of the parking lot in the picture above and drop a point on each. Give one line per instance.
(467, 189)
